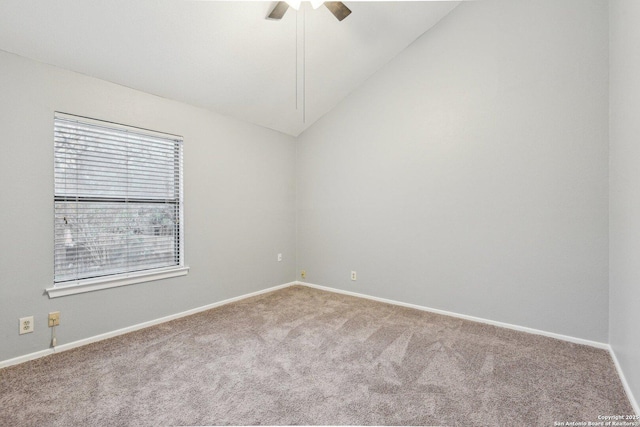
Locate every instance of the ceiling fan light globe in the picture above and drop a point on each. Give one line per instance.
(316, 3)
(295, 4)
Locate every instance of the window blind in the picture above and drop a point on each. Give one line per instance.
(118, 199)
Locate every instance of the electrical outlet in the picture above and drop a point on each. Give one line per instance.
(54, 319)
(354, 276)
(303, 274)
(26, 325)
(279, 257)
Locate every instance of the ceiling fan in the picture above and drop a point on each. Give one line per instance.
(339, 10)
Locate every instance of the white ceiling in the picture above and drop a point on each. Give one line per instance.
(221, 55)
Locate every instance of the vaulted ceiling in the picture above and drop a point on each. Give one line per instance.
(221, 55)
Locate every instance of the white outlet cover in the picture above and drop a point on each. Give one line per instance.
(26, 325)
(354, 275)
(279, 257)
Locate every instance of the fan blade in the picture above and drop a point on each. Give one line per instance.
(339, 10)
(278, 11)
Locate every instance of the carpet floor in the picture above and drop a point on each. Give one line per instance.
(304, 356)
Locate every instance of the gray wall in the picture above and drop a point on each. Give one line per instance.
(239, 206)
(624, 316)
(470, 174)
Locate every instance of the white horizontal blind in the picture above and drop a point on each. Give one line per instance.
(118, 199)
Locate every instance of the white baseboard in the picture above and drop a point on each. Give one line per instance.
(625, 384)
(464, 316)
(85, 341)
(74, 344)
(26, 358)
(568, 338)
(68, 346)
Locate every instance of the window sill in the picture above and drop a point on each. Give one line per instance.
(90, 285)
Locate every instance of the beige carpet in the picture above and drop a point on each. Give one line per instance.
(303, 356)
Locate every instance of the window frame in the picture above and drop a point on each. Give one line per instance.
(133, 276)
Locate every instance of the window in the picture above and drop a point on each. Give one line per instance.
(118, 205)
